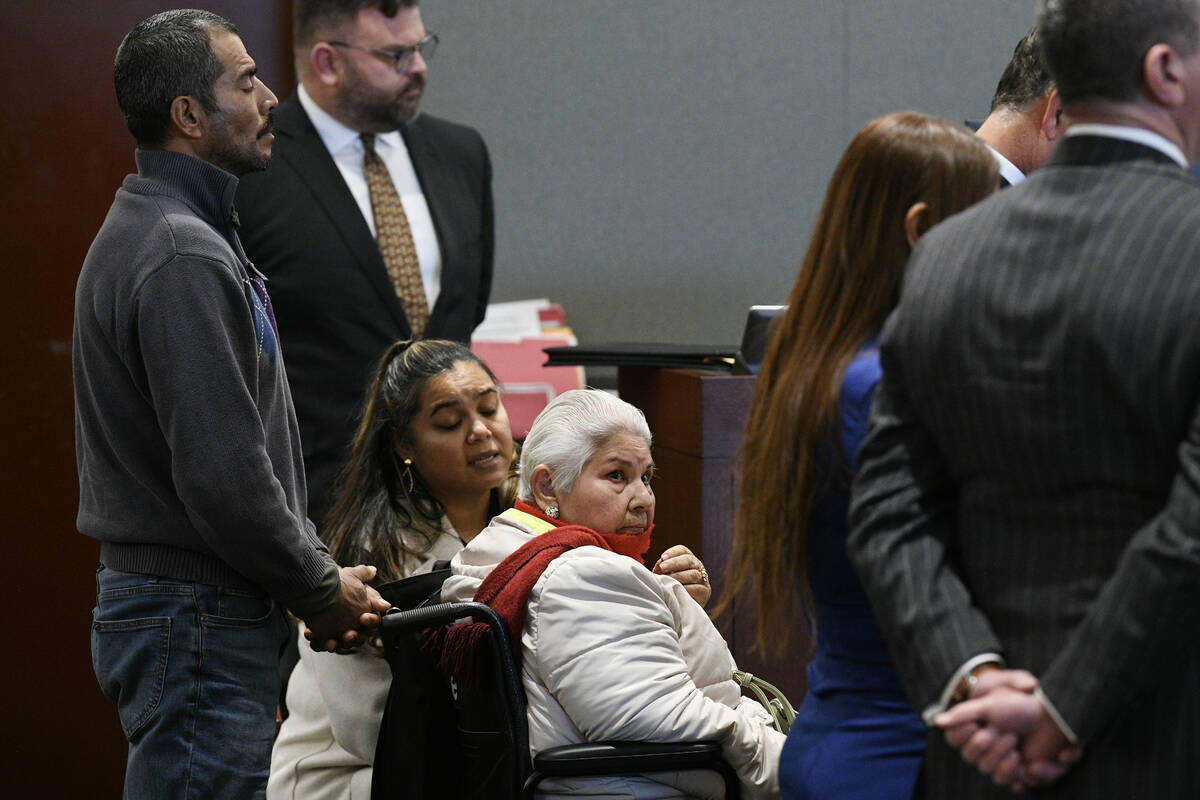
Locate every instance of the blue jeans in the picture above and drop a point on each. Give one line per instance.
(193, 670)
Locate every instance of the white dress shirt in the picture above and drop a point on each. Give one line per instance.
(1008, 170)
(346, 148)
(1131, 134)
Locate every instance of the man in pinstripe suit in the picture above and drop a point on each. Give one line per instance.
(1028, 499)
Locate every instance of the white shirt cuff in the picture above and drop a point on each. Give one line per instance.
(1054, 715)
(943, 702)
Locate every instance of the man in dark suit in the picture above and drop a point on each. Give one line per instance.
(1025, 120)
(1028, 497)
(311, 221)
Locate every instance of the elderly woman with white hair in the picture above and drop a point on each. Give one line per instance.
(609, 650)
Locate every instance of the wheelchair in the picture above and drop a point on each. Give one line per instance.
(439, 741)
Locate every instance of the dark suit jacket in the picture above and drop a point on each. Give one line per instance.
(1031, 482)
(335, 304)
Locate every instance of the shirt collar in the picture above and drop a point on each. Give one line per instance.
(202, 185)
(1008, 170)
(1129, 133)
(336, 136)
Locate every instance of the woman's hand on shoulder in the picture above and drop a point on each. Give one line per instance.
(682, 564)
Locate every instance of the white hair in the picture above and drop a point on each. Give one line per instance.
(569, 431)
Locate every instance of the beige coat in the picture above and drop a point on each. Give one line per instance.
(326, 746)
(612, 651)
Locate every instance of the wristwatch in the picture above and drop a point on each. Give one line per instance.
(963, 690)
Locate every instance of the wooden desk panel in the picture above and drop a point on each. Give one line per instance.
(697, 419)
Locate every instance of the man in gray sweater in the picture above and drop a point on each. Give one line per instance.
(189, 456)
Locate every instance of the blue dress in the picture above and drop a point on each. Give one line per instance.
(856, 735)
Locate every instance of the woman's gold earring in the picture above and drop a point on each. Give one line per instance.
(406, 477)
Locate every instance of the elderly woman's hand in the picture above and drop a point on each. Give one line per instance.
(681, 564)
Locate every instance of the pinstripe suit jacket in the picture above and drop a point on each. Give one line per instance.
(1030, 484)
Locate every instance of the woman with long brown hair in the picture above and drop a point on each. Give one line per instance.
(856, 734)
(431, 463)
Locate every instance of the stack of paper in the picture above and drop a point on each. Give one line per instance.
(511, 340)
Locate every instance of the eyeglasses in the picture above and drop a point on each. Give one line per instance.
(403, 57)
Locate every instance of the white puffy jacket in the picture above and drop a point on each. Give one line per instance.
(612, 651)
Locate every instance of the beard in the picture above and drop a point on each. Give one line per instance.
(234, 156)
(369, 109)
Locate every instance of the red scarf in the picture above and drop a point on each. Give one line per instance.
(506, 588)
(626, 544)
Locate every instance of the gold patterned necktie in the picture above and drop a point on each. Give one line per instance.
(395, 238)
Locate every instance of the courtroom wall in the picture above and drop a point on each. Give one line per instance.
(659, 163)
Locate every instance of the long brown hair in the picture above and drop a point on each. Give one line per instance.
(848, 282)
(382, 514)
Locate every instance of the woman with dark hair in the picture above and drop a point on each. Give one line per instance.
(856, 735)
(427, 470)
(430, 465)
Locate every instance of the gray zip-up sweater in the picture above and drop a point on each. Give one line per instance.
(187, 445)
